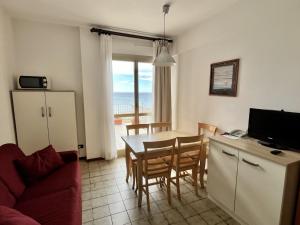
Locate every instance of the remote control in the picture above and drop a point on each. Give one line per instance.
(276, 152)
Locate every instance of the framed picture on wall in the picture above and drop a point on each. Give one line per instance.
(224, 78)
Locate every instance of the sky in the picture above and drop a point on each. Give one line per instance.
(123, 76)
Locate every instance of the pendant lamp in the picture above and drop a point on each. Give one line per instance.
(164, 58)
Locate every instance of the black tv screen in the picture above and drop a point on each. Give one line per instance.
(276, 127)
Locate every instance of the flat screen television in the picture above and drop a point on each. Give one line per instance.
(276, 129)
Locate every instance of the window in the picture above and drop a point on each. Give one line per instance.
(132, 93)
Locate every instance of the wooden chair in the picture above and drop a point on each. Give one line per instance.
(183, 162)
(132, 158)
(207, 130)
(154, 167)
(161, 126)
(137, 128)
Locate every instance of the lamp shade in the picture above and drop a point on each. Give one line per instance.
(164, 58)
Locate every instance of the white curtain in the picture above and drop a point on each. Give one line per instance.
(96, 57)
(162, 89)
(108, 146)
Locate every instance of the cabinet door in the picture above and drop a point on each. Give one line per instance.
(62, 120)
(259, 190)
(222, 171)
(31, 120)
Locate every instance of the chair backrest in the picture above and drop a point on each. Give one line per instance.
(206, 129)
(137, 128)
(192, 145)
(156, 150)
(160, 126)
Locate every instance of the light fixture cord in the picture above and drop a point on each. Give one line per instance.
(164, 28)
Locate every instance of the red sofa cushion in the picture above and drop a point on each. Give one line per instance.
(6, 198)
(10, 216)
(65, 177)
(8, 173)
(59, 208)
(39, 164)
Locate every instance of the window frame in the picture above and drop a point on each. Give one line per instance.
(136, 59)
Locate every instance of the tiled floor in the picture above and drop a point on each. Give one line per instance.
(108, 199)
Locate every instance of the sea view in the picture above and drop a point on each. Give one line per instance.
(123, 102)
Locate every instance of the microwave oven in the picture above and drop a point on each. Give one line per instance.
(33, 82)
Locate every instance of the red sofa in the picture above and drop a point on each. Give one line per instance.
(54, 200)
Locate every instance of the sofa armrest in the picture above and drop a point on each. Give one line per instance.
(69, 156)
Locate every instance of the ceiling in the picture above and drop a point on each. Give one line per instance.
(139, 15)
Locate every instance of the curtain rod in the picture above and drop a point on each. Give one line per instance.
(101, 31)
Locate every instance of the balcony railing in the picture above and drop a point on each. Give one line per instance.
(127, 110)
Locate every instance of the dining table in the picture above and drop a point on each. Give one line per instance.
(135, 144)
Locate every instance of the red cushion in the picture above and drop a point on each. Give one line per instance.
(39, 164)
(65, 177)
(10, 216)
(8, 173)
(60, 208)
(6, 198)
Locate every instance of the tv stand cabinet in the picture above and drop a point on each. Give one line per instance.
(252, 185)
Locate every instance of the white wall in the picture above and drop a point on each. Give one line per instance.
(51, 50)
(265, 35)
(7, 134)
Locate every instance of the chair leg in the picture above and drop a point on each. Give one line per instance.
(178, 185)
(147, 194)
(169, 189)
(195, 181)
(133, 176)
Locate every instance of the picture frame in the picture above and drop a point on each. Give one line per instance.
(224, 78)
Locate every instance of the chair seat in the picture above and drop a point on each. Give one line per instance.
(155, 167)
(193, 154)
(185, 162)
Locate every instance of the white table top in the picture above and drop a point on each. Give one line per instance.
(135, 142)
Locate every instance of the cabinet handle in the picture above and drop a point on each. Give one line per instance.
(227, 153)
(43, 111)
(250, 163)
(50, 111)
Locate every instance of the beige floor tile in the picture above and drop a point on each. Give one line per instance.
(158, 219)
(100, 212)
(141, 222)
(210, 217)
(86, 204)
(103, 221)
(117, 207)
(136, 214)
(186, 211)
(196, 220)
(114, 198)
(173, 216)
(87, 216)
(120, 218)
(97, 202)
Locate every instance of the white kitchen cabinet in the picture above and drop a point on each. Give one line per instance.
(44, 118)
(252, 185)
(223, 162)
(259, 190)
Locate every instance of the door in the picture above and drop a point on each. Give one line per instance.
(62, 120)
(222, 172)
(31, 120)
(132, 93)
(260, 185)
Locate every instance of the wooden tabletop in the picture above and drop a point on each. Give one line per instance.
(251, 146)
(135, 142)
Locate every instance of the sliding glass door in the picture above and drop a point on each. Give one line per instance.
(132, 94)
